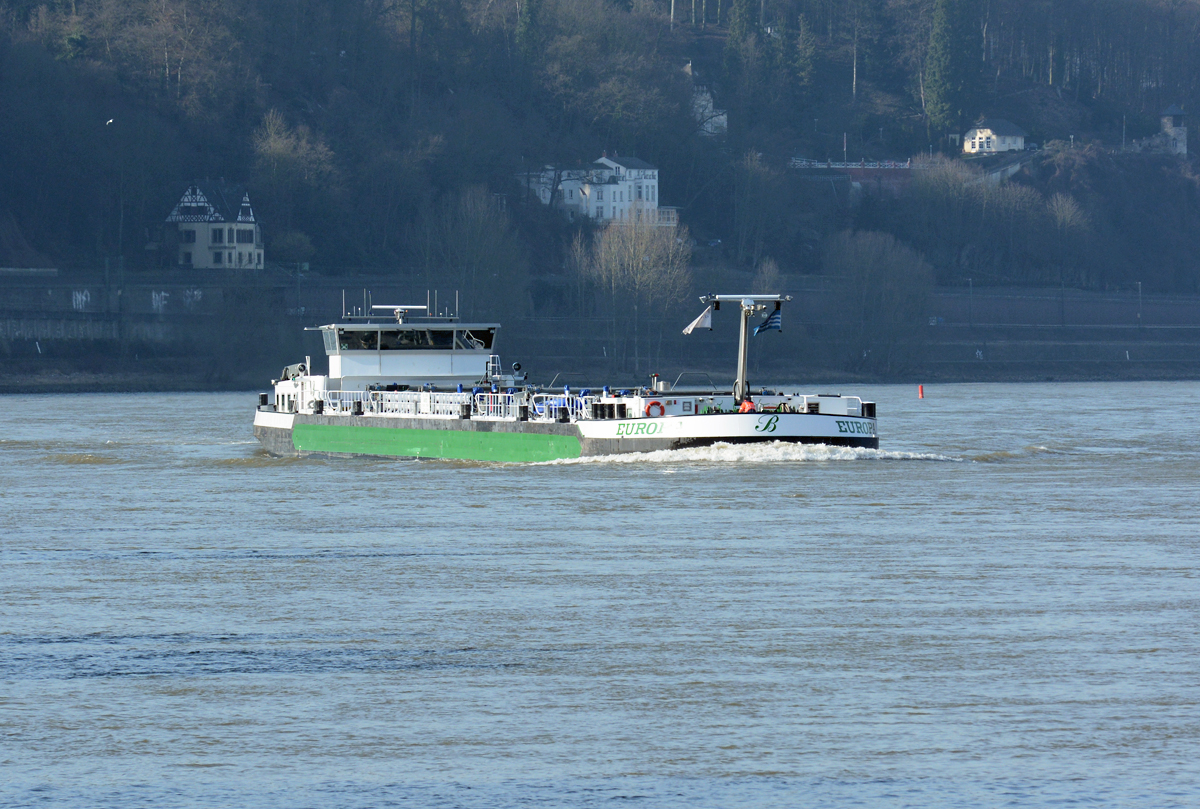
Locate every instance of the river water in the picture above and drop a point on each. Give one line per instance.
(1000, 607)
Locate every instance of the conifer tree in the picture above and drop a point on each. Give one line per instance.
(741, 43)
(952, 67)
(529, 31)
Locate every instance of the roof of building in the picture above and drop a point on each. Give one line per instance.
(1173, 110)
(207, 201)
(1000, 126)
(629, 162)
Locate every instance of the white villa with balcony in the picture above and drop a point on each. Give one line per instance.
(612, 189)
(217, 230)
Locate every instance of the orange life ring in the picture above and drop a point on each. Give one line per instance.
(661, 410)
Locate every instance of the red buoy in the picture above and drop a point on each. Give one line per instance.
(920, 391)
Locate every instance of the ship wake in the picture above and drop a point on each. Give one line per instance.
(774, 452)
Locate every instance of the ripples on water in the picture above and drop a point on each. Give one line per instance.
(996, 608)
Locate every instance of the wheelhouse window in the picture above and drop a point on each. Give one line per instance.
(416, 339)
(352, 340)
(474, 339)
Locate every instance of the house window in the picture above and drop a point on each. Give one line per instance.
(241, 258)
(259, 259)
(230, 258)
(231, 238)
(599, 194)
(245, 236)
(988, 143)
(218, 235)
(600, 212)
(217, 257)
(187, 236)
(639, 192)
(186, 258)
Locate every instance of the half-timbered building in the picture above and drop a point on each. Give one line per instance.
(217, 229)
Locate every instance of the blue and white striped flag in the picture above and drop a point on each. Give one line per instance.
(773, 321)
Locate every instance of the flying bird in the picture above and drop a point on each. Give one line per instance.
(109, 121)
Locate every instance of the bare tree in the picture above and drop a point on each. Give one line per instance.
(467, 243)
(754, 202)
(884, 288)
(635, 264)
(288, 161)
(767, 280)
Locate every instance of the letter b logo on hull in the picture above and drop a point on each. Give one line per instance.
(766, 424)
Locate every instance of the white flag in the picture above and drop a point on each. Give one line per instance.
(702, 322)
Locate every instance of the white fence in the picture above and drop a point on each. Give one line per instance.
(501, 406)
(805, 163)
(546, 406)
(397, 403)
(498, 406)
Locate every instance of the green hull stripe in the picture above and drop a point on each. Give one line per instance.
(467, 445)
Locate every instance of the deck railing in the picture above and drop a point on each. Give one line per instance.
(397, 403)
(548, 406)
(499, 406)
(502, 406)
(342, 401)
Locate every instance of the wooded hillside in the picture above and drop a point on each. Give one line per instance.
(388, 134)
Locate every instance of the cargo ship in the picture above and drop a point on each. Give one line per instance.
(403, 383)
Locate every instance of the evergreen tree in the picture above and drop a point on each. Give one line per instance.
(741, 22)
(804, 55)
(952, 68)
(529, 33)
(742, 56)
